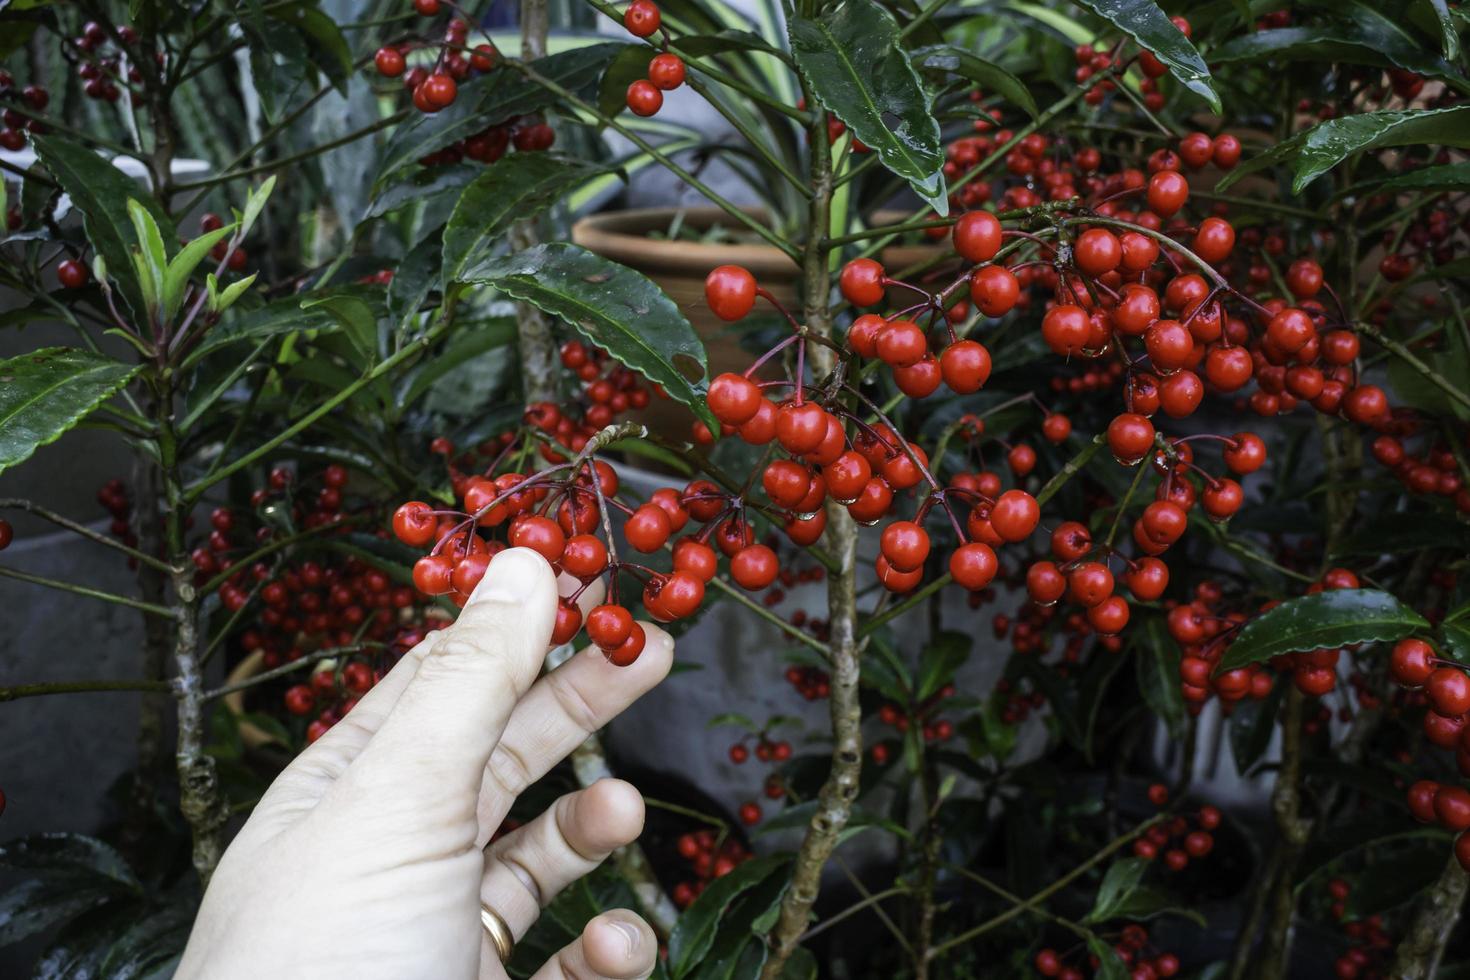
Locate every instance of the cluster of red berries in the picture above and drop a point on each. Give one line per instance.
(102, 76)
(1370, 945)
(435, 88)
(710, 856)
(113, 496)
(525, 134)
(925, 714)
(645, 96)
(1133, 947)
(812, 683)
(1179, 839)
(768, 750)
(20, 116)
(333, 691)
(218, 553)
(1433, 472)
(1445, 687)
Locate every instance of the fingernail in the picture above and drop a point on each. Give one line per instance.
(514, 575)
(631, 935)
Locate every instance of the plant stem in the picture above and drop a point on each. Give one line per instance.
(1073, 467)
(1294, 831)
(834, 801)
(1419, 954)
(15, 503)
(90, 593)
(1411, 359)
(305, 660)
(19, 691)
(794, 632)
(534, 339)
(853, 909)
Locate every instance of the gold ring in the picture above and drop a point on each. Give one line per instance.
(500, 936)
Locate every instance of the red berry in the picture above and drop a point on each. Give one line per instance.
(905, 545)
(644, 98)
(1412, 662)
(729, 289)
(862, 282)
(1130, 437)
(977, 236)
(648, 528)
(733, 399)
(666, 71)
(72, 274)
(973, 565)
(390, 62)
(754, 567)
(609, 626)
(641, 18)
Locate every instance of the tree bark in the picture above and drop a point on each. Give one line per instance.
(1423, 946)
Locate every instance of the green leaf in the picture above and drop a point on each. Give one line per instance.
(428, 183)
(1121, 880)
(695, 931)
(992, 77)
(414, 279)
(354, 316)
(1455, 638)
(1157, 657)
(39, 904)
(629, 66)
(182, 266)
(517, 186)
(151, 259)
(69, 856)
(1061, 699)
(152, 947)
(46, 392)
(1327, 144)
(1333, 618)
(1251, 726)
(255, 203)
(465, 345)
(327, 47)
(1447, 177)
(219, 301)
(1143, 21)
(940, 659)
(799, 815)
(491, 99)
(1365, 38)
(618, 309)
(1449, 35)
(1397, 878)
(1109, 965)
(101, 192)
(856, 68)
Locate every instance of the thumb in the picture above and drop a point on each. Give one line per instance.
(434, 744)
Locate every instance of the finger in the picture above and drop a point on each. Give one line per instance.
(616, 945)
(559, 712)
(307, 778)
(432, 747)
(528, 867)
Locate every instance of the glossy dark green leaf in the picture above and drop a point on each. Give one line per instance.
(1156, 657)
(732, 718)
(415, 278)
(695, 931)
(46, 392)
(1061, 698)
(1143, 21)
(1327, 144)
(358, 320)
(618, 309)
(1449, 34)
(517, 186)
(1386, 32)
(852, 60)
(101, 192)
(629, 66)
(941, 658)
(326, 47)
(492, 99)
(151, 947)
(39, 904)
(797, 816)
(1333, 618)
(429, 183)
(943, 58)
(1122, 878)
(1251, 726)
(1455, 640)
(1446, 177)
(68, 855)
(1365, 38)
(82, 944)
(463, 346)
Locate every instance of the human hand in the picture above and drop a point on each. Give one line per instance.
(367, 856)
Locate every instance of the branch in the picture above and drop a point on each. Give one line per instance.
(1419, 954)
(15, 503)
(1411, 359)
(834, 802)
(79, 687)
(90, 593)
